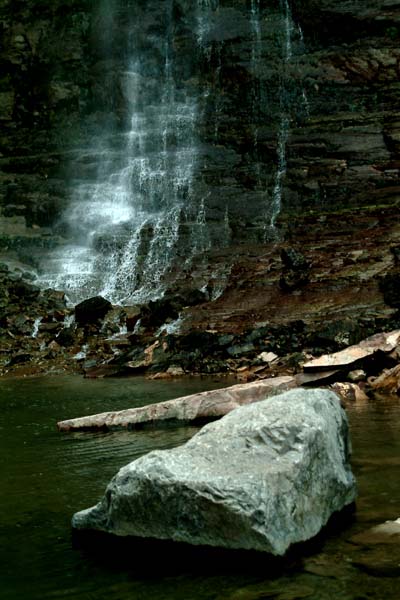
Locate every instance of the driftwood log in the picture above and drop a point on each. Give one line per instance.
(201, 406)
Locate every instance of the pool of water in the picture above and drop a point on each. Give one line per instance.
(46, 476)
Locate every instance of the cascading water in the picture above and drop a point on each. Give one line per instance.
(143, 218)
(126, 225)
(284, 122)
(256, 57)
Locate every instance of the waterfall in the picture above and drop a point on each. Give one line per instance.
(256, 57)
(126, 224)
(283, 131)
(272, 199)
(143, 219)
(35, 328)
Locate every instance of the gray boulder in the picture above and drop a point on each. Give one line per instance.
(264, 477)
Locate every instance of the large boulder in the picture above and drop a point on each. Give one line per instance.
(264, 477)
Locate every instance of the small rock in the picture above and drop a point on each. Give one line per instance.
(175, 371)
(268, 357)
(357, 376)
(349, 392)
(293, 259)
(54, 346)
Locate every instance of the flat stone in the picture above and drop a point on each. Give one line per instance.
(264, 477)
(319, 378)
(268, 357)
(386, 533)
(384, 342)
(210, 404)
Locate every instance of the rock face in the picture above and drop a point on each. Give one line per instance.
(264, 477)
(65, 83)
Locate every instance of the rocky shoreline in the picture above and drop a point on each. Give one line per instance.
(282, 304)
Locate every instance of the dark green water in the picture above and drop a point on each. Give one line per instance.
(46, 476)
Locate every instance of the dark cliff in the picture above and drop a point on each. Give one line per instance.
(62, 85)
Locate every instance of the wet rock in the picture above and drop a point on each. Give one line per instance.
(388, 381)
(92, 310)
(25, 290)
(349, 392)
(390, 287)
(175, 371)
(264, 477)
(316, 379)
(350, 357)
(102, 371)
(386, 533)
(156, 313)
(21, 357)
(66, 337)
(357, 376)
(132, 316)
(378, 550)
(296, 270)
(205, 405)
(294, 260)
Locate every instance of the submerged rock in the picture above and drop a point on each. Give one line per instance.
(264, 477)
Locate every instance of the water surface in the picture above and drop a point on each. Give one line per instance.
(46, 476)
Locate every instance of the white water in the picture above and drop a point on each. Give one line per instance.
(35, 328)
(81, 355)
(256, 57)
(127, 224)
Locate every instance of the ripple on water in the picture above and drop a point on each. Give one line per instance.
(47, 476)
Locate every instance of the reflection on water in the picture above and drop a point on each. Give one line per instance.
(46, 476)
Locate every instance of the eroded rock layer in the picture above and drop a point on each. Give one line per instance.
(305, 106)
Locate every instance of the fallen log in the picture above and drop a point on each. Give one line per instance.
(204, 405)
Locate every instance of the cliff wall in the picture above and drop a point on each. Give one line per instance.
(63, 85)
